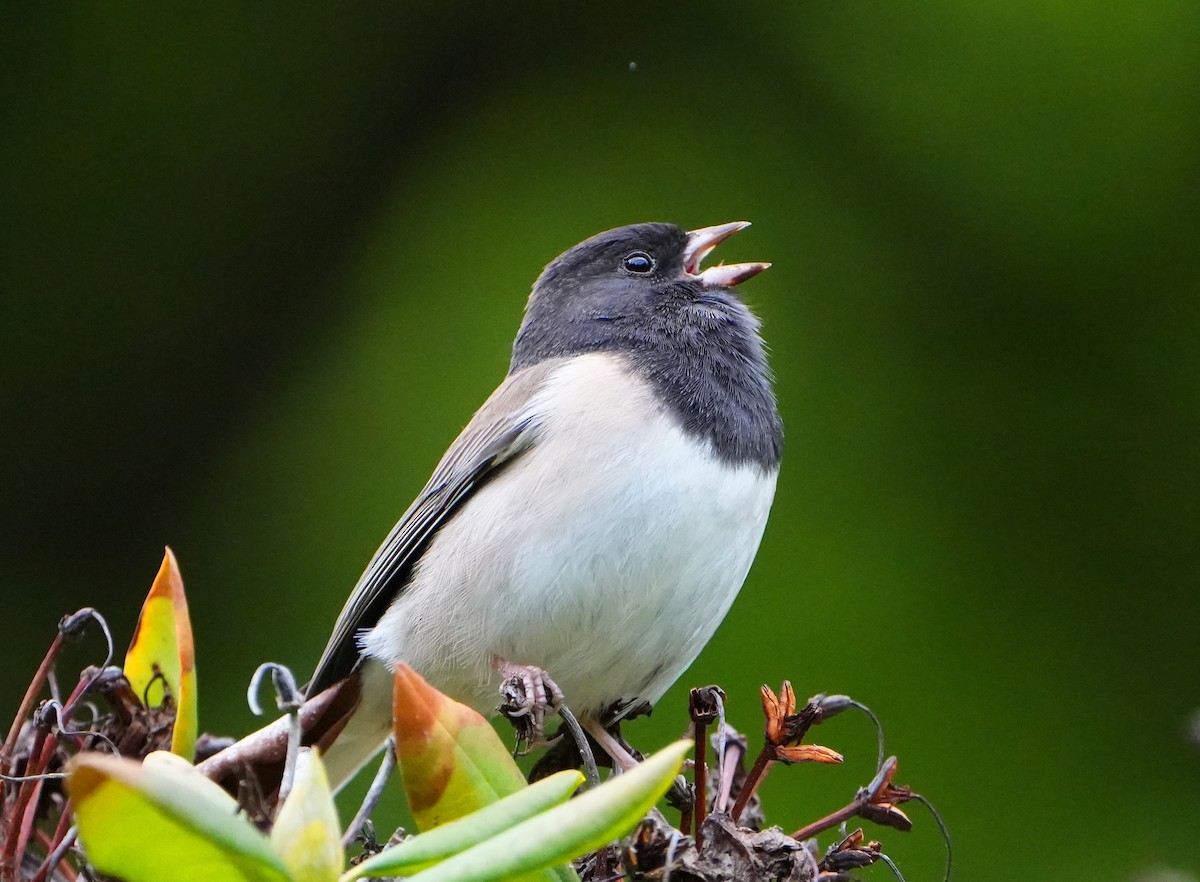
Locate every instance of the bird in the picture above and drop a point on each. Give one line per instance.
(592, 524)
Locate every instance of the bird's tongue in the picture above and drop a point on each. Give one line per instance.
(701, 242)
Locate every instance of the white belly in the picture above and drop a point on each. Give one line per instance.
(610, 571)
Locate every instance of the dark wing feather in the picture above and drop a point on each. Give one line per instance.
(500, 431)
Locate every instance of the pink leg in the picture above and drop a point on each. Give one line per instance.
(622, 757)
(527, 693)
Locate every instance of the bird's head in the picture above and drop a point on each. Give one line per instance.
(626, 281)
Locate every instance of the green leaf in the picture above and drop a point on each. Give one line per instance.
(306, 833)
(563, 833)
(160, 822)
(427, 849)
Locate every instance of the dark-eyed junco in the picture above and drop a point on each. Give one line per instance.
(592, 524)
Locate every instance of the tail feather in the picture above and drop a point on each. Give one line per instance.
(363, 732)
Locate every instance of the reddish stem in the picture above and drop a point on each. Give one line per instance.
(38, 762)
(757, 773)
(60, 835)
(31, 694)
(863, 798)
(81, 688)
(828, 822)
(36, 766)
(27, 822)
(701, 777)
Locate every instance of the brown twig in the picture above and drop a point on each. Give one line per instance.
(704, 705)
(876, 802)
(269, 744)
(686, 818)
(701, 779)
(828, 822)
(762, 764)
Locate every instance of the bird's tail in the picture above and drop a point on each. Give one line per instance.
(365, 732)
(349, 723)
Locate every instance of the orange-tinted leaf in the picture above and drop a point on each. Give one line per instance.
(161, 657)
(451, 760)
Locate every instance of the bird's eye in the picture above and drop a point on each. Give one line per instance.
(638, 262)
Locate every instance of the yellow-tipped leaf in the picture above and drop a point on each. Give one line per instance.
(161, 656)
(306, 832)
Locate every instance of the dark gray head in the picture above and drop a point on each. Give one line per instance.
(639, 292)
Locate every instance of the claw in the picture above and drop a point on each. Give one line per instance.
(526, 693)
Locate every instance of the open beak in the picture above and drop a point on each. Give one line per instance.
(701, 242)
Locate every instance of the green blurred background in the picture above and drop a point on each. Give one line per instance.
(261, 264)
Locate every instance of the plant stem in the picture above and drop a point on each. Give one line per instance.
(27, 822)
(35, 686)
(64, 835)
(386, 767)
(828, 822)
(701, 776)
(757, 773)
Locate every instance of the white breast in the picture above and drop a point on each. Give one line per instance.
(607, 555)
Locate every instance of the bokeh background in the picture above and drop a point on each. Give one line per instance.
(261, 263)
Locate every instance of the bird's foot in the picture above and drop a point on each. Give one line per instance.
(526, 694)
